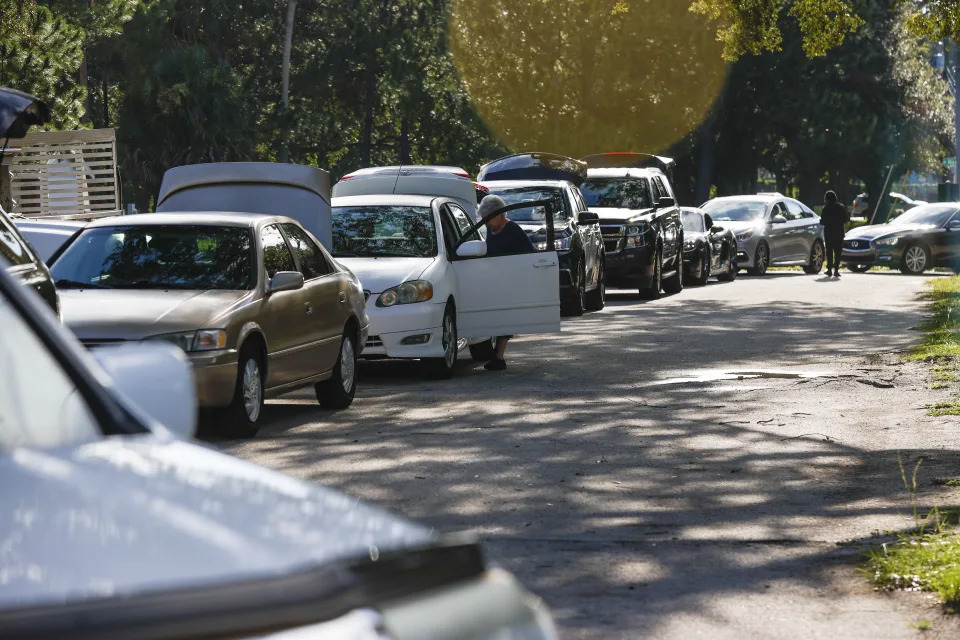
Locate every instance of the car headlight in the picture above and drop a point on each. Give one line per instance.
(202, 340)
(887, 242)
(745, 235)
(560, 244)
(689, 244)
(406, 293)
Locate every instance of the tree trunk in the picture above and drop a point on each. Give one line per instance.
(405, 155)
(706, 156)
(285, 90)
(84, 82)
(366, 141)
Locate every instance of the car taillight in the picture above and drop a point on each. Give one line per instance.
(480, 187)
(462, 174)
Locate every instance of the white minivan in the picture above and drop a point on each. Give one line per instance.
(430, 288)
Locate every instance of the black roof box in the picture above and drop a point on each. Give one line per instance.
(534, 166)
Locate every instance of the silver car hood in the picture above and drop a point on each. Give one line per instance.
(619, 215)
(121, 314)
(127, 515)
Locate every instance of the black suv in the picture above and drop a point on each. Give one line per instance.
(640, 220)
(529, 177)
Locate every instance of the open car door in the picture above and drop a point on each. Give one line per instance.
(508, 295)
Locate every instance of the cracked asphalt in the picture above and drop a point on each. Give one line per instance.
(709, 465)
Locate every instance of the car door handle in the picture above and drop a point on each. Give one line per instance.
(544, 264)
(308, 307)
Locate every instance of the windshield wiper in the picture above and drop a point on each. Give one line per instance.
(345, 255)
(75, 284)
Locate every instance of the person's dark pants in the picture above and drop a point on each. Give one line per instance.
(834, 251)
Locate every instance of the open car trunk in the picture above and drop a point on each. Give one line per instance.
(534, 166)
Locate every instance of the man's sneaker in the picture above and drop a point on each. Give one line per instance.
(836, 274)
(496, 365)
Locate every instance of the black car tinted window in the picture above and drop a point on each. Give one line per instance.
(313, 264)
(516, 195)
(10, 246)
(276, 253)
(617, 193)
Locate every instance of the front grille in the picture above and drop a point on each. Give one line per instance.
(611, 246)
(105, 342)
(374, 341)
(856, 244)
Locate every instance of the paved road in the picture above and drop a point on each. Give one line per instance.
(703, 466)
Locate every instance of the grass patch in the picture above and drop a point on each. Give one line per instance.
(941, 341)
(944, 408)
(923, 625)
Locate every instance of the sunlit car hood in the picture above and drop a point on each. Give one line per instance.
(739, 226)
(121, 314)
(872, 232)
(621, 215)
(379, 274)
(124, 515)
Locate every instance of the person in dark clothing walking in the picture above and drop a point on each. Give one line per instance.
(834, 219)
(504, 238)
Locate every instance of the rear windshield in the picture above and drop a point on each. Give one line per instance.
(735, 210)
(617, 193)
(384, 232)
(189, 257)
(516, 195)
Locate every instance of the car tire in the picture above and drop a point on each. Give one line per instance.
(732, 270)
(761, 260)
(575, 300)
(915, 260)
(484, 351)
(338, 391)
(442, 368)
(859, 268)
(597, 299)
(704, 273)
(242, 417)
(674, 284)
(817, 258)
(653, 291)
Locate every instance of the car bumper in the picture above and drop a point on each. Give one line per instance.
(215, 375)
(746, 252)
(630, 264)
(872, 256)
(390, 327)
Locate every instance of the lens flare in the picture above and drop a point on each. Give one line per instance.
(582, 76)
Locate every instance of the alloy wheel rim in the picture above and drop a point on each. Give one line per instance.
(916, 259)
(348, 365)
(817, 256)
(449, 343)
(252, 390)
(762, 257)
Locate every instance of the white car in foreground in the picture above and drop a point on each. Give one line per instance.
(429, 285)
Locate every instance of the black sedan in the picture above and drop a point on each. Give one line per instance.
(925, 237)
(708, 250)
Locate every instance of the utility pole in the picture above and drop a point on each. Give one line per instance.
(284, 154)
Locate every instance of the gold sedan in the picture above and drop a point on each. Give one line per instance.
(257, 304)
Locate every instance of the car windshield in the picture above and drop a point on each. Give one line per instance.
(692, 221)
(517, 195)
(384, 232)
(617, 193)
(190, 257)
(935, 214)
(735, 210)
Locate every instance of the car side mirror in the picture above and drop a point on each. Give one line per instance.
(285, 281)
(778, 220)
(954, 225)
(666, 202)
(707, 220)
(588, 217)
(472, 249)
(717, 229)
(156, 378)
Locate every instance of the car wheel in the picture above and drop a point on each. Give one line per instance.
(674, 284)
(576, 295)
(859, 268)
(760, 261)
(653, 291)
(732, 270)
(916, 260)
(597, 299)
(338, 391)
(817, 256)
(703, 274)
(442, 368)
(242, 417)
(484, 351)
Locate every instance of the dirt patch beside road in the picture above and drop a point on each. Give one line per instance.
(709, 508)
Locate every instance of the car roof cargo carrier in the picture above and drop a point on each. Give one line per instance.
(273, 188)
(534, 166)
(411, 180)
(631, 160)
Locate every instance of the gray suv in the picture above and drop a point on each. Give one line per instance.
(771, 230)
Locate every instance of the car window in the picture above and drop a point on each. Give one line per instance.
(169, 256)
(515, 195)
(384, 231)
(661, 187)
(691, 221)
(313, 263)
(40, 406)
(463, 222)
(794, 211)
(579, 198)
(617, 193)
(778, 210)
(276, 253)
(722, 210)
(10, 246)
